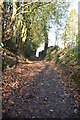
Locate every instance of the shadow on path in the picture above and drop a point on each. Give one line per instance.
(41, 95)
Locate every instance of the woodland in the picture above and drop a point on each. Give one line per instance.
(47, 86)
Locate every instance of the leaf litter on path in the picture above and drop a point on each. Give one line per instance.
(37, 90)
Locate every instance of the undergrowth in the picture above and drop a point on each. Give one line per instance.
(67, 58)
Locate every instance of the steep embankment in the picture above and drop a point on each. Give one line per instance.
(67, 59)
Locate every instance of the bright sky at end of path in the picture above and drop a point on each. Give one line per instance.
(51, 33)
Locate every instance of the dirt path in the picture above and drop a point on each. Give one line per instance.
(35, 90)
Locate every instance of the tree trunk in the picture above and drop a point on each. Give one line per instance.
(46, 38)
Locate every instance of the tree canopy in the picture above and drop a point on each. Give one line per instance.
(26, 23)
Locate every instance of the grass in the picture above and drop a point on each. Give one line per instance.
(68, 61)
